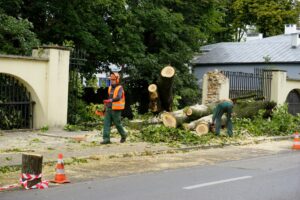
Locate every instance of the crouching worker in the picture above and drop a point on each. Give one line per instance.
(224, 106)
(114, 106)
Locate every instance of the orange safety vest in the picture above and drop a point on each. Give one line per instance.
(117, 105)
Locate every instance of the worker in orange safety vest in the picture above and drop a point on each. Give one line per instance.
(114, 106)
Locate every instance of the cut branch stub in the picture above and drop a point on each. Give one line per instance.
(153, 91)
(154, 103)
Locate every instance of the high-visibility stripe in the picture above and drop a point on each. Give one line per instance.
(296, 143)
(60, 171)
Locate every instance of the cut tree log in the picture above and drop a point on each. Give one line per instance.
(192, 125)
(203, 127)
(154, 103)
(32, 164)
(174, 119)
(165, 85)
(196, 111)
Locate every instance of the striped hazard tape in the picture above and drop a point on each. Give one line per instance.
(30, 177)
(7, 187)
(24, 182)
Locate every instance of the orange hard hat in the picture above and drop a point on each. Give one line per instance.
(115, 76)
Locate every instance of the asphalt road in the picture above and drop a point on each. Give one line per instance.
(275, 177)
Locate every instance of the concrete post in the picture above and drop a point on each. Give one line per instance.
(277, 86)
(57, 81)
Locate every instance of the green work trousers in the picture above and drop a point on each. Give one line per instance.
(221, 108)
(112, 116)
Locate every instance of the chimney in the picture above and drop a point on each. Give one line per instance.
(290, 28)
(295, 40)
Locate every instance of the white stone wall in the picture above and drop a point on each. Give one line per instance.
(46, 77)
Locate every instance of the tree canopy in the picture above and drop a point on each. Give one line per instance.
(140, 36)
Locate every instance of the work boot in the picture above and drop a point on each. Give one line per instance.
(123, 139)
(105, 142)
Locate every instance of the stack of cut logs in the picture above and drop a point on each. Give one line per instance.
(196, 117)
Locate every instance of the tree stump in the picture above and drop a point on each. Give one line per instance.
(32, 164)
(165, 86)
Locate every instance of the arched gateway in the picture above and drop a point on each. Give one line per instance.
(293, 101)
(16, 106)
(34, 90)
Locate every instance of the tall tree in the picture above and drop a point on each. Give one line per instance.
(269, 16)
(16, 35)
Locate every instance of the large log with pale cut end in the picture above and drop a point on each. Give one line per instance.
(174, 119)
(203, 125)
(154, 103)
(192, 125)
(202, 128)
(196, 111)
(32, 164)
(165, 85)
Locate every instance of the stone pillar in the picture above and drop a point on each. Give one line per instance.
(277, 85)
(215, 87)
(57, 82)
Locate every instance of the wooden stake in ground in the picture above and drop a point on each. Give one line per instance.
(165, 85)
(155, 104)
(32, 164)
(174, 119)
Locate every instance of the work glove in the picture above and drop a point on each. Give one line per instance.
(107, 101)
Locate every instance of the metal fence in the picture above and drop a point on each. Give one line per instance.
(255, 85)
(16, 106)
(77, 61)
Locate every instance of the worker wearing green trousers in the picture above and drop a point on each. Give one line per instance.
(225, 106)
(113, 109)
(115, 117)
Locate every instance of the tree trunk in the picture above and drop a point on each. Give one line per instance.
(165, 86)
(32, 164)
(197, 111)
(174, 119)
(154, 103)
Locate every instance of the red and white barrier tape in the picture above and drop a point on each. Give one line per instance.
(7, 187)
(31, 177)
(24, 182)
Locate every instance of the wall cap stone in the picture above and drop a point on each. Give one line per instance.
(53, 47)
(23, 57)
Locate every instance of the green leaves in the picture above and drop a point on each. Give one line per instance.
(281, 123)
(16, 36)
(269, 16)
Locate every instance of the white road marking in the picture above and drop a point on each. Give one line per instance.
(216, 182)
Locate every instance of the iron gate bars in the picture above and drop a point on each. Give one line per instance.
(245, 85)
(16, 107)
